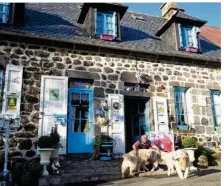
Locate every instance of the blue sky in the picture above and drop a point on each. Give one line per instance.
(210, 12)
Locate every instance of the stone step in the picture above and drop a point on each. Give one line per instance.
(65, 179)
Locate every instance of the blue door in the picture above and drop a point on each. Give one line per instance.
(140, 122)
(80, 120)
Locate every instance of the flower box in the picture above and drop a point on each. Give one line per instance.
(183, 127)
(107, 37)
(192, 49)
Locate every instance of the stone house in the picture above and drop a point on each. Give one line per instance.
(64, 62)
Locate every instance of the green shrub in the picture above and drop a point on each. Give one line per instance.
(202, 151)
(189, 142)
(55, 137)
(26, 173)
(45, 142)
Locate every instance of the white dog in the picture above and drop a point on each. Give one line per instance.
(179, 160)
(134, 160)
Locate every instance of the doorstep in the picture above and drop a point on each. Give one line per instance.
(74, 170)
(62, 180)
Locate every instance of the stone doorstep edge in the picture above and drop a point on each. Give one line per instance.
(78, 177)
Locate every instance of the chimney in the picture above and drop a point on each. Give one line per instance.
(169, 9)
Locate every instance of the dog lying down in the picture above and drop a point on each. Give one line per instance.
(179, 160)
(136, 159)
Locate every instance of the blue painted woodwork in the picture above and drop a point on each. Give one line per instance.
(214, 111)
(104, 23)
(179, 105)
(186, 36)
(80, 121)
(140, 122)
(4, 12)
(106, 150)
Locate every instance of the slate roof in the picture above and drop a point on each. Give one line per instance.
(58, 21)
(185, 16)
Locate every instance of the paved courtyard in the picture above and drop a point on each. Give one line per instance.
(208, 177)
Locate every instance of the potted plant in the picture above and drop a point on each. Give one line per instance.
(45, 147)
(55, 138)
(190, 145)
(105, 143)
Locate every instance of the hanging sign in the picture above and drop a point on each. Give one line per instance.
(12, 103)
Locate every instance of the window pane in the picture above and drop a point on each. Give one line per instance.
(99, 24)
(108, 18)
(218, 120)
(85, 112)
(85, 99)
(75, 112)
(84, 126)
(182, 97)
(99, 17)
(218, 110)
(109, 26)
(75, 99)
(76, 125)
(216, 99)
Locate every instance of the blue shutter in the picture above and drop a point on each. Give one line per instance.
(194, 37)
(114, 24)
(212, 93)
(95, 13)
(180, 35)
(104, 17)
(5, 12)
(1, 88)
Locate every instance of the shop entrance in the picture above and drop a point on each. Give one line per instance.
(136, 119)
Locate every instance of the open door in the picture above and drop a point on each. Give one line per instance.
(53, 107)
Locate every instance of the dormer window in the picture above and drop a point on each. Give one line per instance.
(106, 23)
(102, 20)
(189, 38)
(4, 12)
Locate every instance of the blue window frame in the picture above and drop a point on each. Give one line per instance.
(4, 12)
(180, 105)
(186, 35)
(104, 23)
(1, 86)
(216, 107)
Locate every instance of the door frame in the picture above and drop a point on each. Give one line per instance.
(91, 124)
(147, 117)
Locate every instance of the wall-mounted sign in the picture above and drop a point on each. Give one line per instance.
(54, 94)
(12, 103)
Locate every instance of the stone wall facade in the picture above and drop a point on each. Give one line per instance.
(112, 71)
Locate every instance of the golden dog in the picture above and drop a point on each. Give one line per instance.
(136, 159)
(179, 160)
